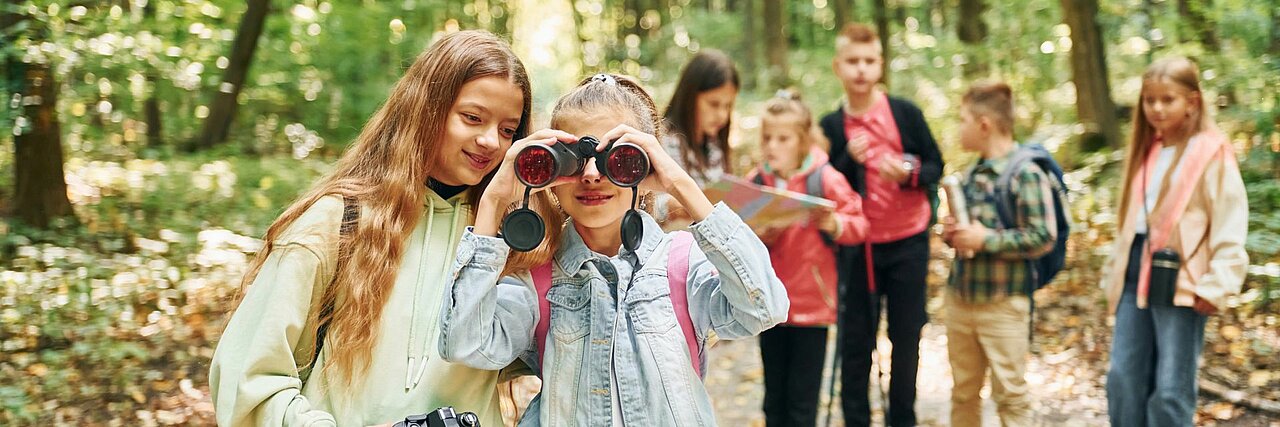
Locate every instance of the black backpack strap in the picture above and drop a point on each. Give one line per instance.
(1004, 183)
(1005, 215)
(350, 216)
(813, 183)
(1004, 197)
(813, 187)
(758, 179)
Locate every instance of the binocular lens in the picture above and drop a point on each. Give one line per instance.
(627, 165)
(535, 166)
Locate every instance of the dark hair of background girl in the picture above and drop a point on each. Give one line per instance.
(709, 69)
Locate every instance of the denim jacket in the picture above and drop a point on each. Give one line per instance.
(615, 353)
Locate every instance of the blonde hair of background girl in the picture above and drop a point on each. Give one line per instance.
(787, 104)
(1184, 73)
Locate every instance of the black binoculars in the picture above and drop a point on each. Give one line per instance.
(442, 417)
(539, 165)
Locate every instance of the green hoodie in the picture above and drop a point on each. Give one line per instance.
(254, 375)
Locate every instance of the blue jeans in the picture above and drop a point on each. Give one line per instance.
(1154, 360)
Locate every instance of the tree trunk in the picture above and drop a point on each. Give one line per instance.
(40, 185)
(1275, 28)
(152, 117)
(151, 107)
(843, 13)
(750, 61)
(972, 30)
(775, 36)
(794, 25)
(881, 15)
(1094, 105)
(1195, 16)
(223, 110)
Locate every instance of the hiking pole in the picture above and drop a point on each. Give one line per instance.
(831, 369)
(875, 353)
(837, 352)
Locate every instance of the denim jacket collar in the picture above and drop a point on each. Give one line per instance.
(573, 251)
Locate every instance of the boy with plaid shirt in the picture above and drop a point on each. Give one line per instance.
(987, 305)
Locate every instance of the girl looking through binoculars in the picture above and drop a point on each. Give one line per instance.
(616, 323)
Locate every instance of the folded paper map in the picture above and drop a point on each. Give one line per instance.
(761, 206)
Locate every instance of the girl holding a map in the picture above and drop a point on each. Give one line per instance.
(793, 352)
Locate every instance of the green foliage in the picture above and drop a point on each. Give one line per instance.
(1264, 206)
(139, 286)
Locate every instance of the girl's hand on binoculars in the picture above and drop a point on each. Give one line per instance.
(505, 188)
(667, 175)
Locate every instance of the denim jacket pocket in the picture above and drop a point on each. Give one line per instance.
(569, 315)
(649, 306)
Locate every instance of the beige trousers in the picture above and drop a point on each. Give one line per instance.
(990, 337)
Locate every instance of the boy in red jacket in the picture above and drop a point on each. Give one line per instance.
(793, 353)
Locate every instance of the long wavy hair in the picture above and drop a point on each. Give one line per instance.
(709, 69)
(386, 170)
(1178, 70)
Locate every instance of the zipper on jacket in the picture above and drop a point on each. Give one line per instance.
(822, 287)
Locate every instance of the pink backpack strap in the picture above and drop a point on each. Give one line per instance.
(677, 279)
(542, 284)
(1209, 146)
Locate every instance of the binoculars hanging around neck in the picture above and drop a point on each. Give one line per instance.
(539, 165)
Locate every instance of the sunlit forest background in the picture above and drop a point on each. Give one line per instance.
(146, 144)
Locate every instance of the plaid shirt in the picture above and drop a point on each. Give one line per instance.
(1000, 268)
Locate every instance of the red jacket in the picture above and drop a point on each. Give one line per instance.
(803, 261)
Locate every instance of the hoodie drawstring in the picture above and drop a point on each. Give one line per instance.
(417, 363)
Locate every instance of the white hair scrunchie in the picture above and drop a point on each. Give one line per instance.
(602, 77)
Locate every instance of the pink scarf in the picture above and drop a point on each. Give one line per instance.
(1208, 145)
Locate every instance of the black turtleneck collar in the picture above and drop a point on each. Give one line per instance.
(446, 191)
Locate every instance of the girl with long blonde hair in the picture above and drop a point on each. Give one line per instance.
(1179, 254)
(339, 327)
